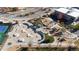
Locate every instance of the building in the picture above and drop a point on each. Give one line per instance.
(66, 15)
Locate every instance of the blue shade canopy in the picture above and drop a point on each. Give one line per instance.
(3, 28)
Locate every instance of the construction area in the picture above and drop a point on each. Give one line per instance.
(39, 29)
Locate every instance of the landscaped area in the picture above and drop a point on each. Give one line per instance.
(48, 39)
(75, 26)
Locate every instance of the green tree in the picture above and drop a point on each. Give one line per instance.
(48, 39)
(75, 26)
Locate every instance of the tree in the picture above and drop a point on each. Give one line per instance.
(48, 39)
(75, 26)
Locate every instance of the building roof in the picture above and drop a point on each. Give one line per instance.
(63, 10)
(75, 14)
(72, 12)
